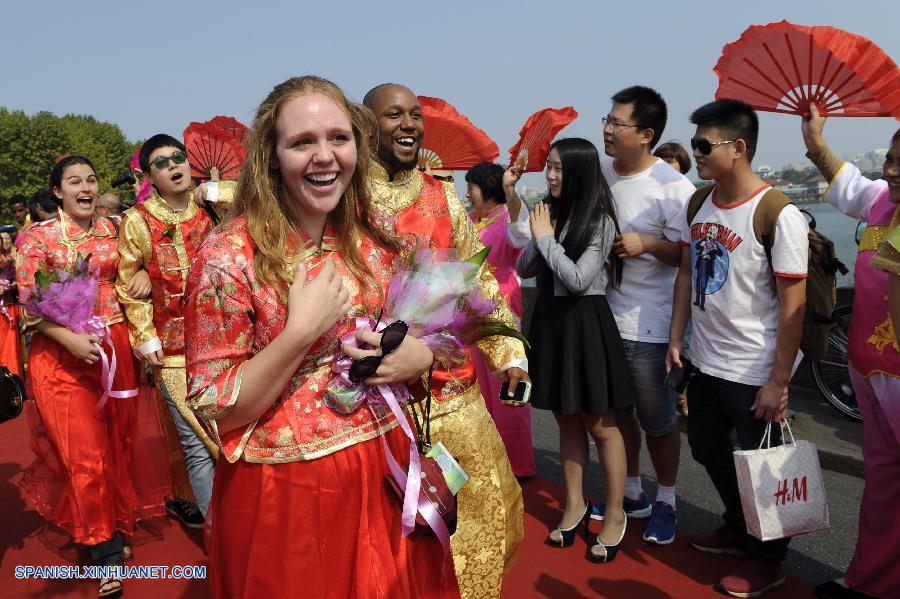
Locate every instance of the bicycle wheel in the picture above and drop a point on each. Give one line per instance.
(832, 373)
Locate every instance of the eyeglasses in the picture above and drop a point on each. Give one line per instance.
(705, 146)
(391, 338)
(161, 162)
(616, 125)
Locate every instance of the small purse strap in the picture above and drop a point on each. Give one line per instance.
(423, 437)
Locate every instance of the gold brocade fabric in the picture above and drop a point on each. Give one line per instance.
(175, 382)
(489, 527)
(162, 241)
(490, 508)
(887, 258)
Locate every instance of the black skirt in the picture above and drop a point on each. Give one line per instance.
(577, 361)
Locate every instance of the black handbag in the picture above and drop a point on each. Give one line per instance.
(12, 394)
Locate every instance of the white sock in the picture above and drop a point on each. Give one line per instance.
(666, 494)
(633, 487)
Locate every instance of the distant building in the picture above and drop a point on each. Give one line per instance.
(808, 191)
(531, 195)
(764, 171)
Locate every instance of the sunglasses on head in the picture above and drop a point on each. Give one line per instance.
(705, 146)
(391, 338)
(161, 162)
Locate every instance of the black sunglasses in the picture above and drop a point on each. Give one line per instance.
(161, 162)
(391, 338)
(705, 146)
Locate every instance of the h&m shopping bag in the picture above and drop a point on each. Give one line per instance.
(782, 493)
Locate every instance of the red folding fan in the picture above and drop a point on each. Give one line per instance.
(534, 139)
(233, 127)
(451, 141)
(782, 67)
(208, 147)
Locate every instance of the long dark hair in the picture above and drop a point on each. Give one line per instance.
(585, 201)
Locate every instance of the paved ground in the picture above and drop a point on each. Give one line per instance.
(815, 557)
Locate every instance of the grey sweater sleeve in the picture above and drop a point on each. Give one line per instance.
(578, 276)
(528, 264)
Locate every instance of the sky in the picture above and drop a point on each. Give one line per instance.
(156, 66)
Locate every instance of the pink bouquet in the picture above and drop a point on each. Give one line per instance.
(67, 297)
(437, 297)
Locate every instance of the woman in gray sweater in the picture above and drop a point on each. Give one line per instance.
(577, 361)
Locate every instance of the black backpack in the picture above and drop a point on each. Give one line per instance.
(821, 280)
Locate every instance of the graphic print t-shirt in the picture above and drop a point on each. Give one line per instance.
(734, 298)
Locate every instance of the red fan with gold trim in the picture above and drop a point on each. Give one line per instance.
(451, 141)
(210, 147)
(233, 127)
(782, 67)
(534, 139)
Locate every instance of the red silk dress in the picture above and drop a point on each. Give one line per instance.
(300, 507)
(95, 472)
(9, 318)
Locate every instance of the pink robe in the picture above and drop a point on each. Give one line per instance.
(513, 423)
(875, 373)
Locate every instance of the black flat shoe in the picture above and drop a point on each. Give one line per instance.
(566, 536)
(603, 554)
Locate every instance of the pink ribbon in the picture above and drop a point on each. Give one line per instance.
(414, 479)
(109, 371)
(411, 480)
(4, 311)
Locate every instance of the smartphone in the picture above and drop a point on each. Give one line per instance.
(677, 378)
(521, 395)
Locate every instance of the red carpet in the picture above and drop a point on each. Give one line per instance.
(641, 571)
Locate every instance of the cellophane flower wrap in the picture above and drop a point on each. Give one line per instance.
(67, 297)
(437, 295)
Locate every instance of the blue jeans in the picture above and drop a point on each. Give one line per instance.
(200, 465)
(655, 402)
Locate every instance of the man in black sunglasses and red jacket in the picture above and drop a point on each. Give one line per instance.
(159, 238)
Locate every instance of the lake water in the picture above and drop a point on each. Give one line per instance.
(841, 230)
(831, 223)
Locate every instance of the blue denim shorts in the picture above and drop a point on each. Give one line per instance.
(655, 402)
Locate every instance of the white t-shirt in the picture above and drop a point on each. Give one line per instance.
(650, 202)
(734, 332)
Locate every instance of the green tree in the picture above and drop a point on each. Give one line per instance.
(30, 145)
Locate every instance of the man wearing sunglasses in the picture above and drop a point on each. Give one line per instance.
(160, 237)
(649, 196)
(426, 214)
(747, 326)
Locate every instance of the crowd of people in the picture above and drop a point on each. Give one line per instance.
(227, 307)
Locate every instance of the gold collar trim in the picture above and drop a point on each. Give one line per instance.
(100, 227)
(398, 194)
(162, 210)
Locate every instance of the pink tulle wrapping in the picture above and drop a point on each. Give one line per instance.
(437, 297)
(68, 300)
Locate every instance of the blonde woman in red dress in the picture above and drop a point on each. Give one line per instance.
(300, 506)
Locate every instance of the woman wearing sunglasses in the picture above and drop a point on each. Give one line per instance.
(83, 478)
(577, 358)
(300, 506)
